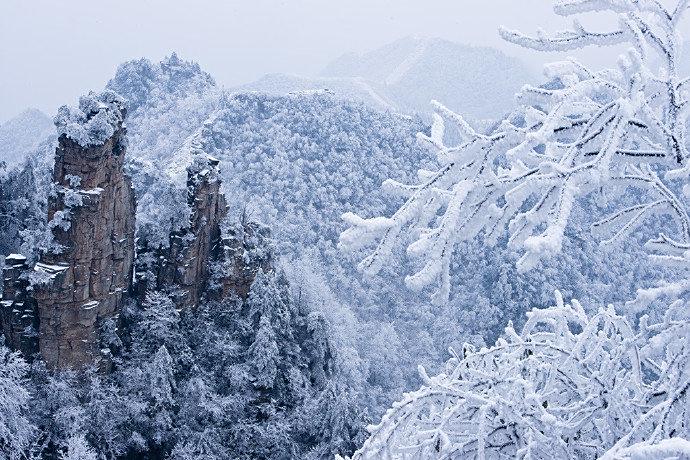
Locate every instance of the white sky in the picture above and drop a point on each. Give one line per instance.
(52, 51)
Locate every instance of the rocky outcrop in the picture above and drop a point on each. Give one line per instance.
(91, 215)
(18, 312)
(59, 306)
(183, 267)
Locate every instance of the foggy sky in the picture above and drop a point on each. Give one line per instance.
(53, 51)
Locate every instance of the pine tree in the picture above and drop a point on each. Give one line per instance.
(262, 356)
(78, 449)
(160, 396)
(157, 324)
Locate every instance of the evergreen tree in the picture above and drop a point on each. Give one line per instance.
(16, 430)
(263, 356)
(78, 449)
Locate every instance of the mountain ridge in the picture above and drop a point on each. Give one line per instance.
(407, 74)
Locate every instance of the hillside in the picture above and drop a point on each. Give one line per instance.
(407, 74)
(296, 163)
(22, 134)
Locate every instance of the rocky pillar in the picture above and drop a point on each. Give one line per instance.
(184, 266)
(247, 249)
(209, 208)
(91, 216)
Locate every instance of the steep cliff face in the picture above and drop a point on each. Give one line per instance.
(59, 306)
(91, 217)
(183, 267)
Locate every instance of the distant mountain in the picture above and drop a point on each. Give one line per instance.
(21, 135)
(478, 82)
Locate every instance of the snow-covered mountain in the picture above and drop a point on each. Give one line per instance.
(21, 135)
(352, 88)
(406, 75)
(298, 161)
(476, 81)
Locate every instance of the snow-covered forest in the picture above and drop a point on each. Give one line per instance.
(425, 251)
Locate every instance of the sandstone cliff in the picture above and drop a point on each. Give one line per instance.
(91, 216)
(182, 268)
(84, 276)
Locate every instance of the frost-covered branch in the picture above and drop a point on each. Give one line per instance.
(582, 132)
(569, 385)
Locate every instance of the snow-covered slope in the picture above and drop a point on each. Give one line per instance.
(478, 82)
(301, 160)
(167, 101)
(21, 135)
(297, 162)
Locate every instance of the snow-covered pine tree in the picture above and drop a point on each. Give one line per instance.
(569, 385)
(78, 448)
(161, 395)
(155, 324)
(263, 355)
(23, 204)
(16, 430)
(584, 131)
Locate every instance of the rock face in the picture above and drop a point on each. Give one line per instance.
(183, 268)
(91, 217)
(18, 313)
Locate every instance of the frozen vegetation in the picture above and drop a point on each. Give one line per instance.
(619, 133)
(21, 135)
(382, 285)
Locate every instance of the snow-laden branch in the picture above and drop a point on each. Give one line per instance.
(584, 131)
(569, 385)
(566, 40)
